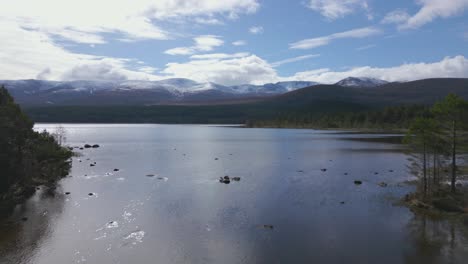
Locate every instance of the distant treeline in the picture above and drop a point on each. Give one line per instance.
(396, 117)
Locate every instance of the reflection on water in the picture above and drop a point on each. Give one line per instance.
(24, 231)
(296, 201)
(432, 240)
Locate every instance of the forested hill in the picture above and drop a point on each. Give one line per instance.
(307, 103)
(27, 158)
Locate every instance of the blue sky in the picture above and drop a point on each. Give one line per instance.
(234, 41)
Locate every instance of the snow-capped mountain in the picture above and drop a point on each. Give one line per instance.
(361, 82)
(37, 92)
(168, 91)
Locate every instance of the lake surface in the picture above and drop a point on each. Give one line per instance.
(285, 208)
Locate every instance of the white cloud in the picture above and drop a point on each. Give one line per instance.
(219, 56)
(230, 71)
(27, 54)
(396, 17)
(295, 59)
(202, 44)
(325, 40)
(449, 67)
(180, 51)
(334, 9)
(256, 30)
(87, 21)
(239, 43)
(430, 10)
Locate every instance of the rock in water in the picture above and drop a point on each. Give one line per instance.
(357, 182)
(383, 184)
(116, 169)
(87, 146)
(95, 146)
(236, 178)
(225, 179)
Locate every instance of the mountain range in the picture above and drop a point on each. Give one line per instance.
(311, 101)
(169, 91)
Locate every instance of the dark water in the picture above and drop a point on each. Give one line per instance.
(184, 215)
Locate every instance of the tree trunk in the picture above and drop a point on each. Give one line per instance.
(424, 170)
(454, 154)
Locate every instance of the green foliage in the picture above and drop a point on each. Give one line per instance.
(27, 158)
(443, 135)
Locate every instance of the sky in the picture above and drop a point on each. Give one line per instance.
(233, 42)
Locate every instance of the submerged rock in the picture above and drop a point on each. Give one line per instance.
(383, 184)
(24, 219)
(92, 165)
(357, 182)
(67, 193)
(116, 169)
(271, 227)
(324, 170)
(90, 194)
(236, 178)
(149, 175)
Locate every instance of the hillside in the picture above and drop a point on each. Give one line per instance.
(310, 102)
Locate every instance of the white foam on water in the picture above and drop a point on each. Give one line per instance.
(136, 237)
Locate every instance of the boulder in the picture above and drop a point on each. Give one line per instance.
(225, 179)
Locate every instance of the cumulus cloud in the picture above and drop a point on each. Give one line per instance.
(28, 54)
(229, 71)
(87, 21)
(202, 44)
(449, 67)
(295, 59)
(325, 40)
(334, 9)
(256, 30)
